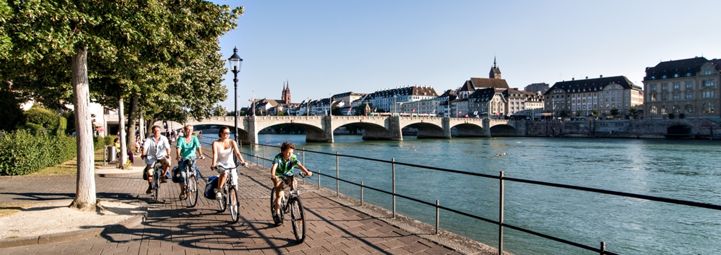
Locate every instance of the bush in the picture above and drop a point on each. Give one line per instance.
(43, 117)
(22, 152)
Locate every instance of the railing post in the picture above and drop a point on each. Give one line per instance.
(318, 178)
(438, 215)
(393, 184)
(337, 175)
(501, 189)
(603, 248)
(361, 192)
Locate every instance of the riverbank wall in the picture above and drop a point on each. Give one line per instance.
(654, 128)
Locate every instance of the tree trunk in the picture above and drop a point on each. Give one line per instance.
(85, 183)
(132, 115)
(121, 133)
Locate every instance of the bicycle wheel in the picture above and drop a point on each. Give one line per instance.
(233, 204)
(156, 184)
(222, 201)
(192, 191)
(297, 219)
(272, 212)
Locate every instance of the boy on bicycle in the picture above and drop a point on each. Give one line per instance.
(282, 173)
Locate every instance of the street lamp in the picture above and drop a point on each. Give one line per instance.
(235, 62)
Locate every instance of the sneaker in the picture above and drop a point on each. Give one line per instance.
(149, 190)
(218, 195)
(277, 220)
(163, 179)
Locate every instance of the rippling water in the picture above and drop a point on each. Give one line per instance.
(676, 169)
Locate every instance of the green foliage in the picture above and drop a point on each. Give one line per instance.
(43, 117)
(9, 110)
(62, 126)
(22, 153)
(614, 112)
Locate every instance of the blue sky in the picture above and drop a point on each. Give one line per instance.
(324, 47)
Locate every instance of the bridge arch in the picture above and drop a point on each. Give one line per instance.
(468, 130)
(312, 132)
(503, 130)
(423, 130)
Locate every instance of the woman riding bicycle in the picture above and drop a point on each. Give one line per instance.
(282, 173)
(187, 145)
(223, 150)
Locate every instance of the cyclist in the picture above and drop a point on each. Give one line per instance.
(187, 145)
(155, 148)
(282, 173)
(223, 150)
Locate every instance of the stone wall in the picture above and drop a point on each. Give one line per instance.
(660, 128)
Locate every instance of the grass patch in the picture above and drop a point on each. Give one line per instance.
(68, 167)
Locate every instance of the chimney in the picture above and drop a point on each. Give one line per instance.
(600, 76)
(573, 78)
(586, 77)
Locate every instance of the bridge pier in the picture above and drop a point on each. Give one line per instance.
(324, 136)
(393, 131)
(486, 127)
(252, 137)
(446, 127)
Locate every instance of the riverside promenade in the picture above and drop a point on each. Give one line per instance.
(335, 225)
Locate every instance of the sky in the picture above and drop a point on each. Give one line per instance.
(325, 47)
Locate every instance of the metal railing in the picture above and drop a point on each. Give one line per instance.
(601, 249)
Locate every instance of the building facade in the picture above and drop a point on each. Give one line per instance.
(390, 100)
(686, 88)
(587, 97)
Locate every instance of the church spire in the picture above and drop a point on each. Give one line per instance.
(495, 72)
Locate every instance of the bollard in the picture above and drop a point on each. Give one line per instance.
(603, 248)
(337, 175)
(500, 213)
(393, 184)
(361, 191)
(438, 215)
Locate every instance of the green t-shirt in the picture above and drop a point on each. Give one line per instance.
(285, 167)
(187, 150)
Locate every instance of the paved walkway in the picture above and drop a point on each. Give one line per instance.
(172, 228)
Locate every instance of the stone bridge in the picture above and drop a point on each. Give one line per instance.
(321, 128)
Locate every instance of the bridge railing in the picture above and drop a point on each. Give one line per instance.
(601, 249)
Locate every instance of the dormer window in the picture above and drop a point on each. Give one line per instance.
(663, 77)
(675, 75)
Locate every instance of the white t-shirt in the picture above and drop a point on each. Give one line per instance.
(156, 150)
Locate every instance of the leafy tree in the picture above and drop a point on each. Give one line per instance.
(614, 112)
(10, 110)
(122, 48)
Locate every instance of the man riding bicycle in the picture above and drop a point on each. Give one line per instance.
(282, 173)
(187, 145)
(223, 150)
(155, 148)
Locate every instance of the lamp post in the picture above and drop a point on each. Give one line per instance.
(235, 62)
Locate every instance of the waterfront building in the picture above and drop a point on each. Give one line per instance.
(585, 97)
(540, 88)
(522, 103)
(389, 100)
(686, 88)
(487, 102)
(444, 103)
(494, 80)
(343, 102)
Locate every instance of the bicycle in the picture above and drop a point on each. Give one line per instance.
(190, 180)
(290, 203)
(229, 196)
(157, 172)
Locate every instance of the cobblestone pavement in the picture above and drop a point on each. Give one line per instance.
(173, 228)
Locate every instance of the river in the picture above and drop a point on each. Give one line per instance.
(687, 170)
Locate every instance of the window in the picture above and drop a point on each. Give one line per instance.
(689, 108)
(677, 85)
(654, 109)
(709, 83)
(676, 96)
(689, 95)
(689, 85)
(709, 108)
